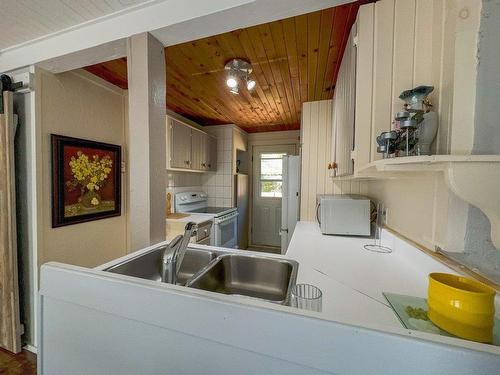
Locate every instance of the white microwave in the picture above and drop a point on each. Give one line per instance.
(343, 214)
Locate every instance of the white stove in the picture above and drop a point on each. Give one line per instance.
(224, 230)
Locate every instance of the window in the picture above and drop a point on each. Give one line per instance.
(271, 175)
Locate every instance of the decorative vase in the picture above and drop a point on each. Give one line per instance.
(90, 199)
(426, 133)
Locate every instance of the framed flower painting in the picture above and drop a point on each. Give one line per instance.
(86, 180)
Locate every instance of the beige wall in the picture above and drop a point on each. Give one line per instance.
(79, 105)
(417, 206)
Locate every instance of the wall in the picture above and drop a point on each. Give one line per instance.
(78, 104)
(178, 182)
(478, 251)
(487, 128)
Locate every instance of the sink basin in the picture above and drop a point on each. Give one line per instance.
(148, 266)
(248, 275)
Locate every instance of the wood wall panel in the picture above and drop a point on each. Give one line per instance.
(316, 148)
(295, 60)
(404, 50)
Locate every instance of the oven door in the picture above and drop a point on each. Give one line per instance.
(226, 230)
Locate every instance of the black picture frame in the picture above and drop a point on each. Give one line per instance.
(59, 218)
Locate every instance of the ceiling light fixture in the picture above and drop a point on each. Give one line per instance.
(250, 84)
(239, 70)
(231, 81)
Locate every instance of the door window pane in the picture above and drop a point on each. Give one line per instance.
(271, 189)
(271, 175)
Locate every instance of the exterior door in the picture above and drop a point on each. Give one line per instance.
(267, 193)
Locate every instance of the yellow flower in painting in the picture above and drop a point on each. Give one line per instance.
(94, 201)
(90, 172)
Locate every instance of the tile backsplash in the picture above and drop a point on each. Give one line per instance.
(182, 179)
(219, 185)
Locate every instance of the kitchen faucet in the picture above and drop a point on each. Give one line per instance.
(173, 254)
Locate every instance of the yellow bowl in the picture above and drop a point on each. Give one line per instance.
(461, 306)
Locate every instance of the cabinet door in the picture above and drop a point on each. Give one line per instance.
(364, 88)
(211, 153)
(180, 145)
(198, 140)
(344, 107)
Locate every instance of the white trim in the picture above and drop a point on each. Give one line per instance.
(31, 348)
(98, 81)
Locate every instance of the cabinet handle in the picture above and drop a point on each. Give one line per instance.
(204, 165)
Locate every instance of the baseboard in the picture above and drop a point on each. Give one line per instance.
(31, 348)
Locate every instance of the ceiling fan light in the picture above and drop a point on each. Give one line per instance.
(250, 84)
(231, 82)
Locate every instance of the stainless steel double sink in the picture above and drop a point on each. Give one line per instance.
(227, 272)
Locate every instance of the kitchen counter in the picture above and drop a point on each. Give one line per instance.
(175, 226)
(194, 218)
(352, 279)
(187, 330)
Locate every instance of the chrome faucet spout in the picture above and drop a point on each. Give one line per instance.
(173, 254)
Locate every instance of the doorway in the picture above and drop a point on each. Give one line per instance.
(267, 193)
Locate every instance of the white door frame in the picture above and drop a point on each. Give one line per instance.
(277, 146)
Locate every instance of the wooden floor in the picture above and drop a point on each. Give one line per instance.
(23, 363)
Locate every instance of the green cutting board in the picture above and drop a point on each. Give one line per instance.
(400, 302)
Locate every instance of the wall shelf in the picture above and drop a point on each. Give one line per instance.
(474, 178)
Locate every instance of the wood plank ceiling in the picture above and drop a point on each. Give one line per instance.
(295, 60)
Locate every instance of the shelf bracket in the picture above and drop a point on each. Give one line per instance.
(479, 185)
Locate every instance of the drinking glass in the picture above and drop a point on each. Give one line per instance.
(306, 297)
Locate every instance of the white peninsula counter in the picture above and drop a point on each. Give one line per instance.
(97, 322)
(353, 279)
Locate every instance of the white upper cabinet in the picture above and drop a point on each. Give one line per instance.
(398, 47)
(364, 86)
(190, 149)
(343, 111)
